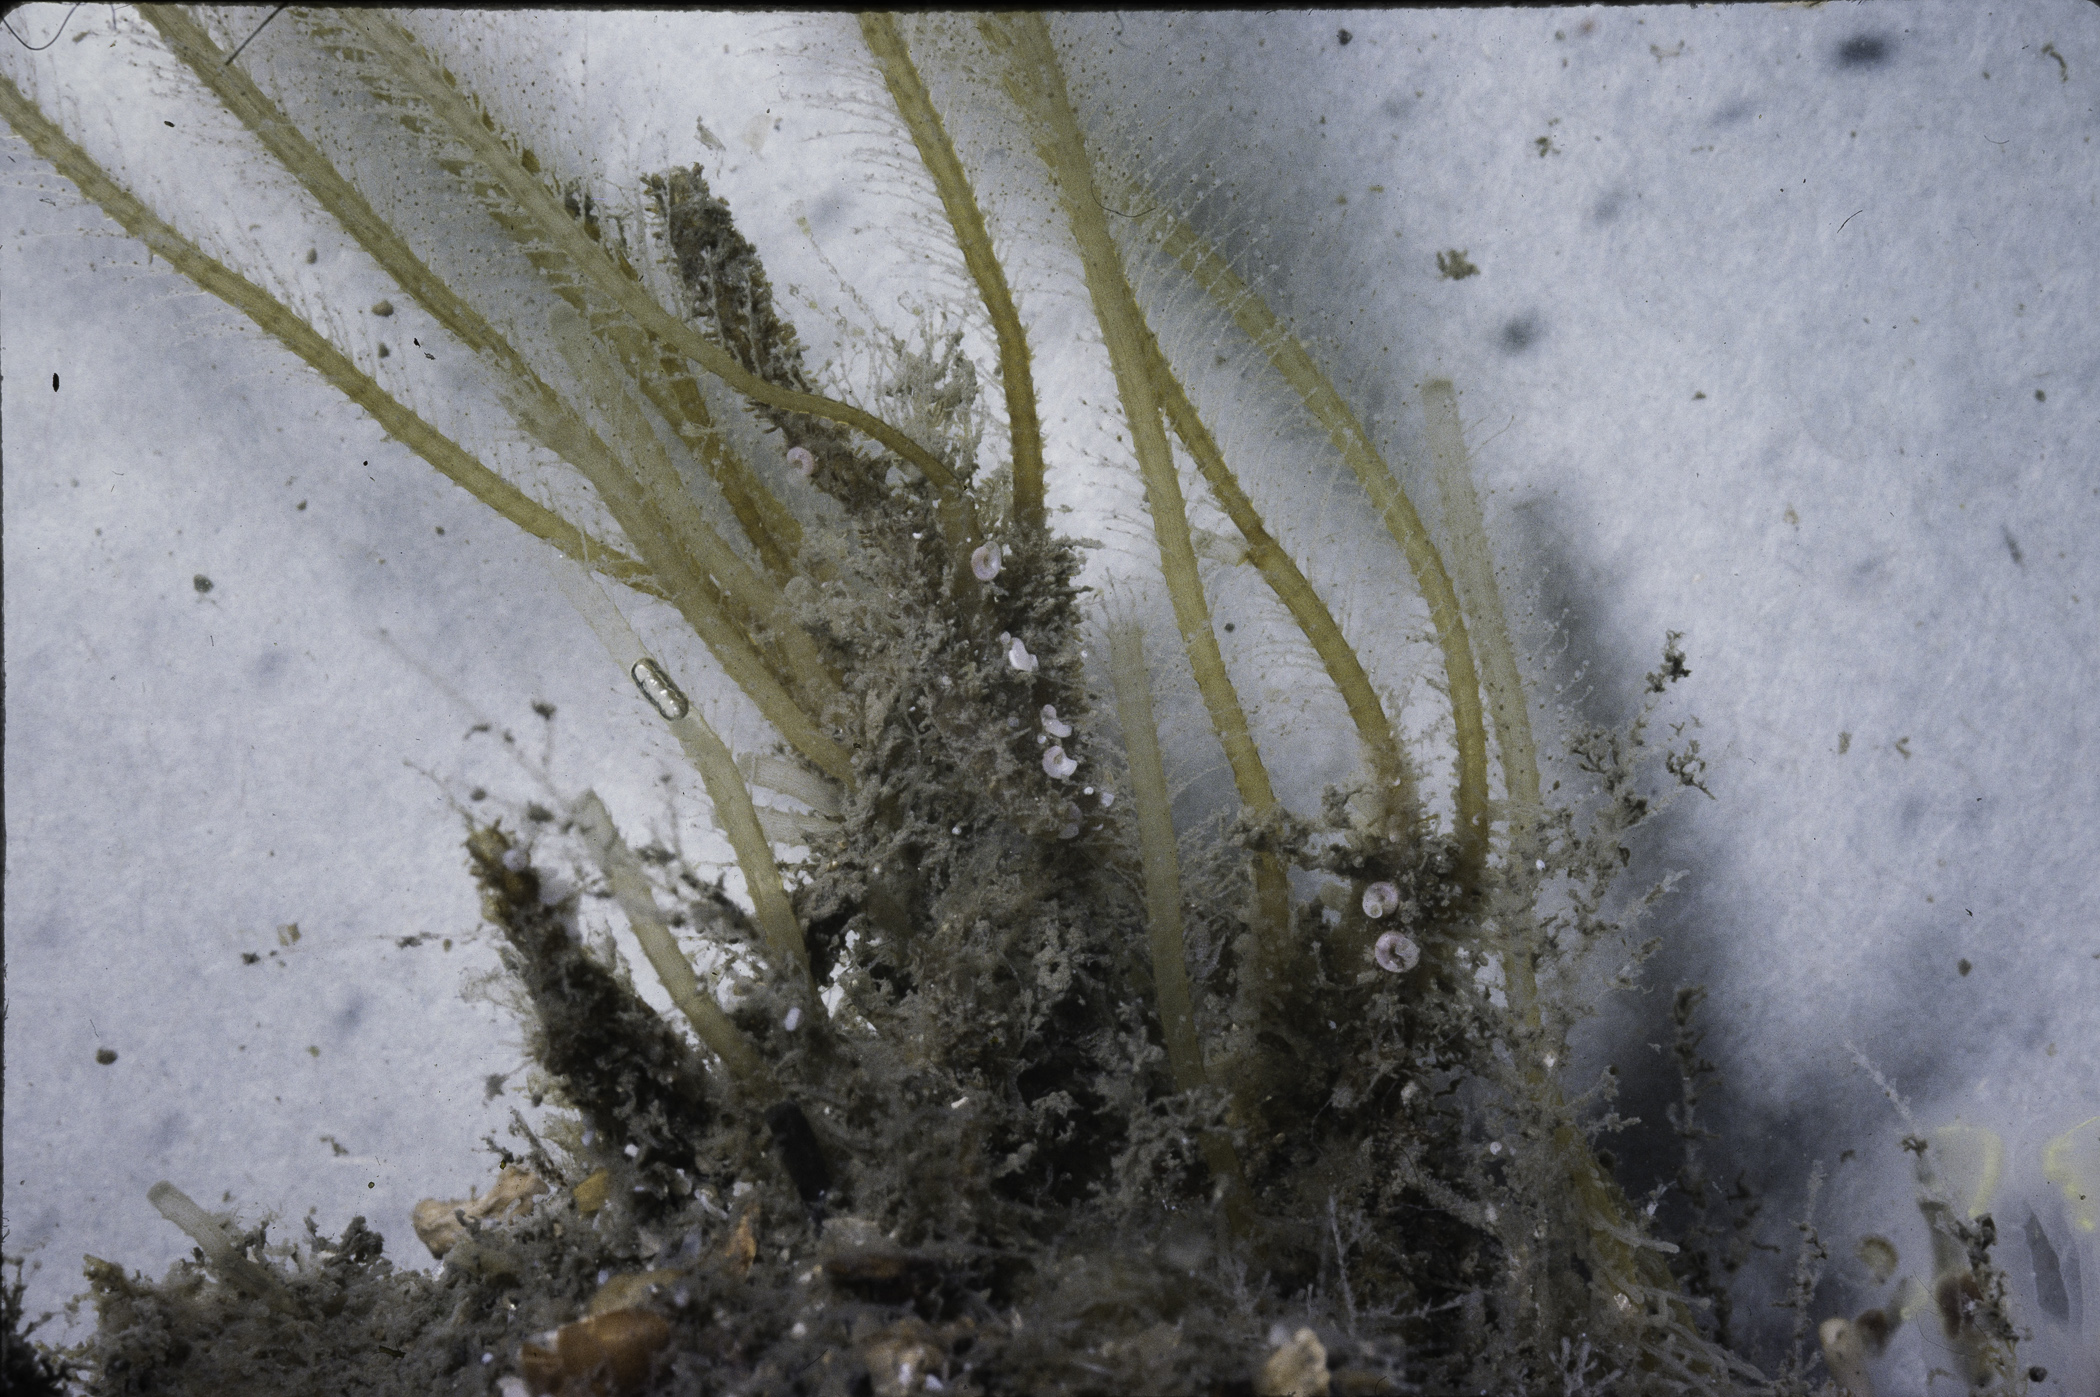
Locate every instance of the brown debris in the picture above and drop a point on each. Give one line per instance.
(438, 1222)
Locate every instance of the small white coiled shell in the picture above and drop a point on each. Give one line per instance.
(1379, 899)
(1051, 724)
(656, 686)
(985, 561)
(805, 464)
(1396, 951)
(1058, 765)
(1017, 655)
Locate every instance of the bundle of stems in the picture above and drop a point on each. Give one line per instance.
(944, 1021)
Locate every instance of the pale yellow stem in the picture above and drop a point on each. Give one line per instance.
(757, 599)
(288, 329)
(538, 408)
(1038, 86)
(1159, 856)
(1291, 359)
(937, 152)
(630, 888)
(563, 237)
(734, 810)
(1388, 761)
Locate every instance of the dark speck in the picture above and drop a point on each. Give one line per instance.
(1342, 37)
(250, 958)
(1863, 51)
(201, 583)
(1519, 334)
(538, 814)
(2012, 546)
(544, 709)
(2039, 395)
(477, 794)
(1963, 966)
(105, 1056)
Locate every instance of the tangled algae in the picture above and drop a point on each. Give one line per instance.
(1013, 1086)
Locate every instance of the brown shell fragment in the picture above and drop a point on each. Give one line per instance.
(608, 1355)
(437, 1222)
(883, 1276)
(739, 1246)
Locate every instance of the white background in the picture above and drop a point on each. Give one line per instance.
(1878, 270)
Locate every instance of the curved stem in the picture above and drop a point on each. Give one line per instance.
(630, 888)
(541, 411)
(908, 90)
(281, 324)
(1382, 748)
(1291, 359)
(565, 238)
(1038, 85)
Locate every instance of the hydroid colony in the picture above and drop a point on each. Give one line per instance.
(1026, 1071)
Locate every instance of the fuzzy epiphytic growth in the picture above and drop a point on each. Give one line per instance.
(1028, 1084)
